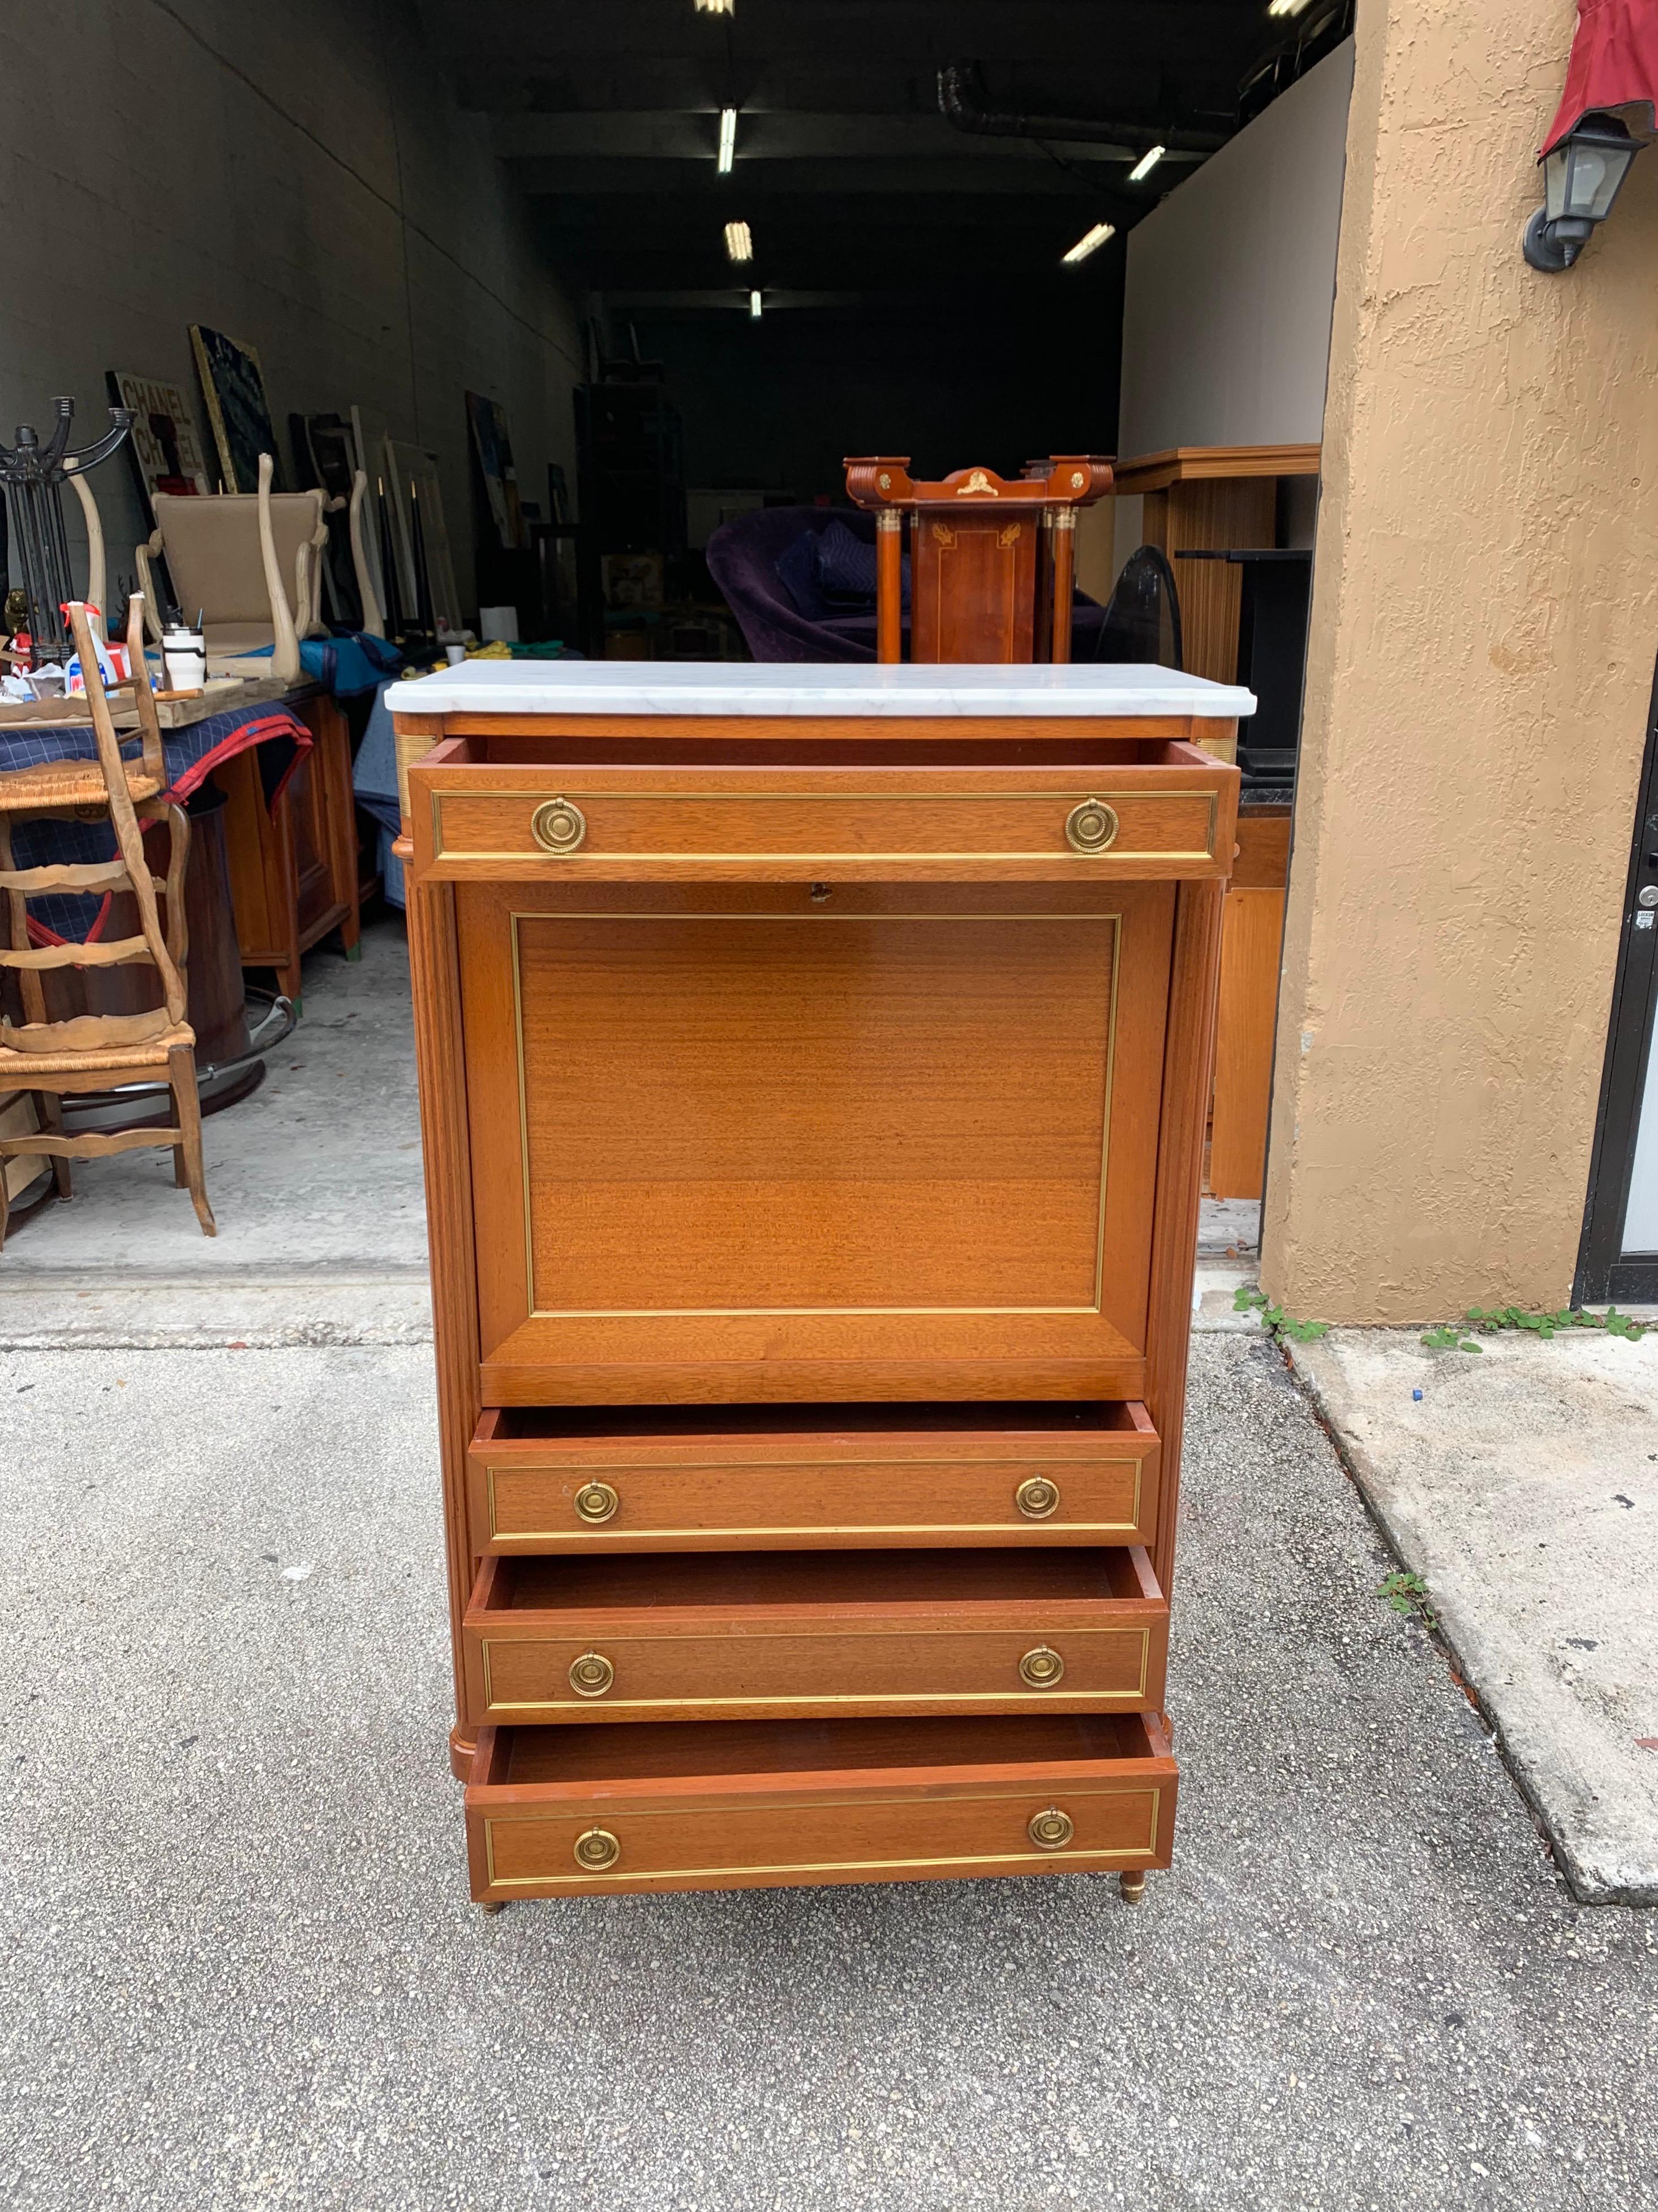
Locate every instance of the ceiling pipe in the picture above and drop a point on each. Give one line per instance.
(960, 105)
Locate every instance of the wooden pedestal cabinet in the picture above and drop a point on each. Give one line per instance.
(813, 1099)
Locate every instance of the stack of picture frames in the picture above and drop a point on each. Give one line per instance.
(407, 526)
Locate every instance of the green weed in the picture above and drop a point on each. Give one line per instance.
(1407, 1593)
(1489, 1321)
(1275, 1320)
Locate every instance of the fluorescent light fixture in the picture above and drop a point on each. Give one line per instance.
(1091, 240)
(1275, 7)
(716, 7)
(739, 241)
(728, 139)
(1147, 162)
(754, 305)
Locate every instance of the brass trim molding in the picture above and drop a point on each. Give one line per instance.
(534, 1312)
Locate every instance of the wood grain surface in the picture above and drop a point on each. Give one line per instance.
(870, 1132)
(770, 1804)
(814, 1488)
(715, 1635)
(862, 824)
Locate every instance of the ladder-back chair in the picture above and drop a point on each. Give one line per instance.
(98, 1051)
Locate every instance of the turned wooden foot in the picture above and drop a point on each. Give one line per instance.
(1133, 1887)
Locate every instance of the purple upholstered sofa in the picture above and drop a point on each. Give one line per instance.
(742, 559)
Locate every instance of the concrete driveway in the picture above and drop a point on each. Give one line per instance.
(240, 1967)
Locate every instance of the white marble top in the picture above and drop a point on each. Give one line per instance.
(723, 686)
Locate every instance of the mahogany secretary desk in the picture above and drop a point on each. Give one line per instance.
(813, 1064)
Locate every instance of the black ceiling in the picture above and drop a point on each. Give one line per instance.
(854, 184)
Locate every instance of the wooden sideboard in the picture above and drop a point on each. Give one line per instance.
(1251, 951)
(1210, 499)
(814, 1068)
(294, 873)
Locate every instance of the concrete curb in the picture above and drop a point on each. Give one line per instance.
(214, 1313)
(1563, 1733)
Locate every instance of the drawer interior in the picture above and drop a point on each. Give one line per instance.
(734, 747)
(836, 1580)
(564, 1428)
(666, 1751)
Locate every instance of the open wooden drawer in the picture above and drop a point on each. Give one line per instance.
(1035, 811)
(763, 1804)
(752, 1635)
(760, 1478)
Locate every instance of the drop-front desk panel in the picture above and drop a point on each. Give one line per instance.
(813, 1065)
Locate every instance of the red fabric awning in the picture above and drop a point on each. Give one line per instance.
(1613, 68)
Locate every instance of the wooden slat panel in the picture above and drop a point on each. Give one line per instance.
(69, 876)
(1252, 946)
(118, 952)
(1211, 515)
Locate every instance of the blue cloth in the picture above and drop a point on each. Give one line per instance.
(374, 782)
(348, 663)
(351, 662)
(189, 756)
(845, 565)
(798, 569)
(831, 572)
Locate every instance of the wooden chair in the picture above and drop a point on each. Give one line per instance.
(94, 1052)
(230, 555)
(992, 559)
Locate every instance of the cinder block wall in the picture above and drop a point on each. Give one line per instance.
(297, 174)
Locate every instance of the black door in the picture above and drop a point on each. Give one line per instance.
(1619, 1256)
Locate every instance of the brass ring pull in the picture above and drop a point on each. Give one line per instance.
(1041, 1668)
(591, 1675)
(1091, 826)
(1050, 1831)
(558, 825)
(1037, 1498)
(597, 1849)
(596, 1502)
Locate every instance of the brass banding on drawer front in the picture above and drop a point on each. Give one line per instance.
(521, 1502)
(1089, 830)
(798, 1671)
(1001, 1833)
(560, 1810)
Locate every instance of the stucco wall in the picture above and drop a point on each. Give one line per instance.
(299, 176)
(1484, 620)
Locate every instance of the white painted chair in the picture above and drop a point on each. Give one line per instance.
(230, 556)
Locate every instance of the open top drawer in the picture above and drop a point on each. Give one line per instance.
(759, 1479)
(607, 1811)
(1044, 812)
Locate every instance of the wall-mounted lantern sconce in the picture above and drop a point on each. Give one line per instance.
(1580, 179)
(1605, 118)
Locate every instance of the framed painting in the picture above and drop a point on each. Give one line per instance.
(165, 445)
(233, 387)
(411, 473)
(492, 447)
